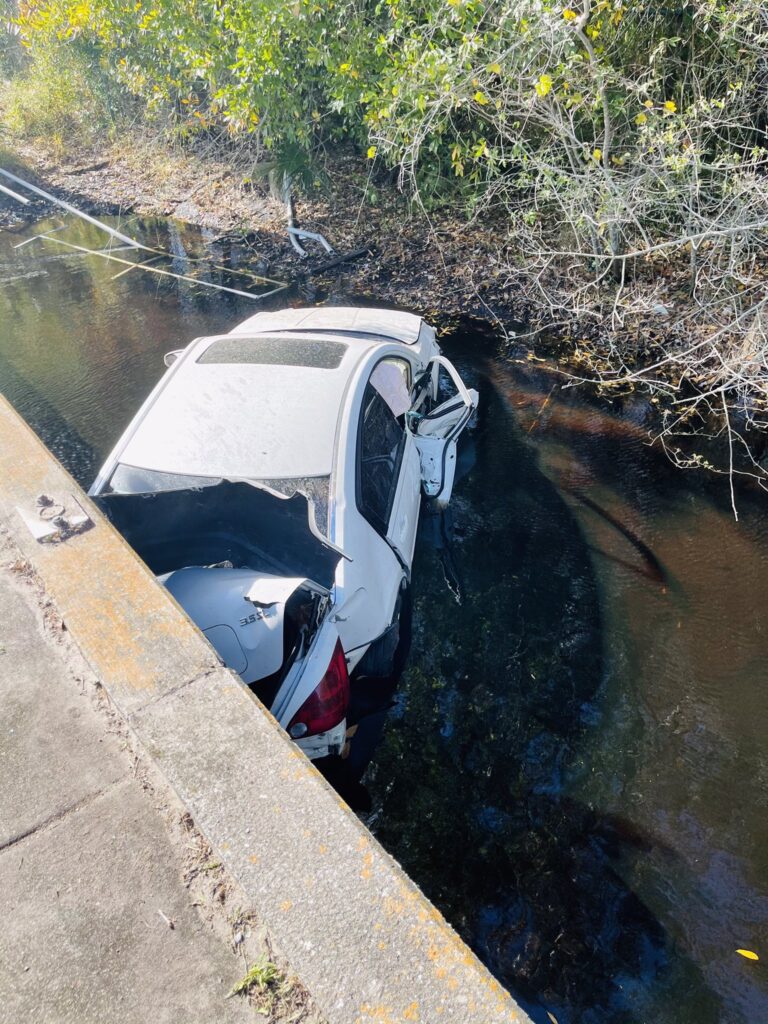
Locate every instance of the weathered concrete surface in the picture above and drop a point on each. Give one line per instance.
(364, 939)
(105, 599)
(51, 759)
(356, 930)
(82, 939)
(86, 862)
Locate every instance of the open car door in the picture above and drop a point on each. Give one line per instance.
(436, 427)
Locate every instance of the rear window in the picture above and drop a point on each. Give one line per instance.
(276, 351)
(133, 480)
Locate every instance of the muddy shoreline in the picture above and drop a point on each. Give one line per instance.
(442, 266)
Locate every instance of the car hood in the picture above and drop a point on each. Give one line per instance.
(230, 522)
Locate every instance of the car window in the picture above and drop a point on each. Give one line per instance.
(320, 354)
(379, 453)
(392, 379)
(127, 479)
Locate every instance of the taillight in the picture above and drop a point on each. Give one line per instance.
(328, 702)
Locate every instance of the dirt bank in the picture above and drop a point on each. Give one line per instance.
(436, 263)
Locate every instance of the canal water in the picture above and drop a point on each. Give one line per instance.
(575, 767)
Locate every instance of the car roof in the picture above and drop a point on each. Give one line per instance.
(362, 321)
(248, 406)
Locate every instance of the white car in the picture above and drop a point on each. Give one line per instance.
(272, 481)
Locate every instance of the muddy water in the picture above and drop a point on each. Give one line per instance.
(575, 769)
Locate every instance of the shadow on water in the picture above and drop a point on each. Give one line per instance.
(61, 438)
(495, 703)
(475, 784)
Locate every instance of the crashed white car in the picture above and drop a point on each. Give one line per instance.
(272, 481)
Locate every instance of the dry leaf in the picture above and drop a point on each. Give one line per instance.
(748, 954)
(552, 1017)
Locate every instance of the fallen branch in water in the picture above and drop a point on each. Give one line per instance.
(345, 258)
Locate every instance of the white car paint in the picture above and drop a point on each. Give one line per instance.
(261, 422)
(240, 612)
(255, 439)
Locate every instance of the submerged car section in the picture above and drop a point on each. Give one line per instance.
(272, 481)
(245, 566)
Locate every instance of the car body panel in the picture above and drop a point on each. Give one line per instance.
(436, 433)
(371, 557)
(276, 401)
(388, 324)
(287, 431)
(240, 611)
(404, 520)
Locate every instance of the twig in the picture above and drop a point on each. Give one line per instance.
(730, 456)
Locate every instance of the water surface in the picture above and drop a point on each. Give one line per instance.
(575, 769)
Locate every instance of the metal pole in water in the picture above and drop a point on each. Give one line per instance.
(14, 195)
(164, 273)
(72, 209)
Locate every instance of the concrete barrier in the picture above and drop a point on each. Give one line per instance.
(355, 929)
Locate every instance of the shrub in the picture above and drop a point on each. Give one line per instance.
(61, 97)
(622, 148)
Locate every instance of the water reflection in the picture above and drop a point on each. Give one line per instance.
(82, 342)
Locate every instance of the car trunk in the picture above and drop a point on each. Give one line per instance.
(229, 522)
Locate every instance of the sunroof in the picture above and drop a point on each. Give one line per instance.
(276, 351)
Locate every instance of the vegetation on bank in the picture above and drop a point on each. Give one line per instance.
(618, 149)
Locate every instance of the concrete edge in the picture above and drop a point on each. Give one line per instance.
(356, 930)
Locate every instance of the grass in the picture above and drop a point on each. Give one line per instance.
(262, 976)
(60, 98)
(279, 999)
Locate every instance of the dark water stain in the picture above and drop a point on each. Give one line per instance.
(575, 768)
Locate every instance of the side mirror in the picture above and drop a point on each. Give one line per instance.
(170, 357)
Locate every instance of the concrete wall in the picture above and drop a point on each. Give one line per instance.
(355, 929)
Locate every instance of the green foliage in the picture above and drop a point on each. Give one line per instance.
(611, 120)
(450, 89)
(261, 976)
(61, 93)
(11, 54)
(263, 70)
